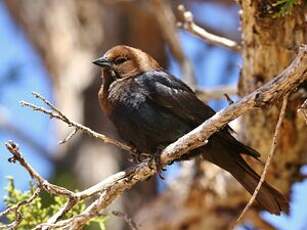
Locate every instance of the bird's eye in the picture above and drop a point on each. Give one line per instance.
(120, 60)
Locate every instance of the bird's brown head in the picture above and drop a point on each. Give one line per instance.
(127, 61)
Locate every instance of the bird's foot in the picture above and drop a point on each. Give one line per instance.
(133, 155)
(136, 156)
(155, 161)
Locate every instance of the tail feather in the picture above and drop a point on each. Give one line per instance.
(268, 197)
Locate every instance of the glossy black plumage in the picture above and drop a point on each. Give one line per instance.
(151, 109)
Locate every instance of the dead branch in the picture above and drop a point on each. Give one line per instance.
(57, 114)
(188, 24)
(14, 224)
(21, 203)
(41, 182)
(127, 219)
(15, 208)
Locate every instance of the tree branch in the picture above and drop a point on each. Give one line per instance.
(41, 182)
(188, 24)
(15, 208)
(56, 113)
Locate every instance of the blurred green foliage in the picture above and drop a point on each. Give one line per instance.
(42, 208)
(285, 7)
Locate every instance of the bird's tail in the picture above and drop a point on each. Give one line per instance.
(268, 197)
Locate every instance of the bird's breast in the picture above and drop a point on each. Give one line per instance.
(140, 121)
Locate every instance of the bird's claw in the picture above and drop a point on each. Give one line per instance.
(137, 157)
(155, 160)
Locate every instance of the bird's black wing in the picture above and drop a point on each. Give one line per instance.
(171, 93)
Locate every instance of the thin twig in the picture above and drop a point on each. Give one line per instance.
(15, 208)
(14, 224)
(127, 219)
(69, 136)
(269, 158)
(41, 182)
(188, 24)
(229, 100)
(58, 215)
(21, 203)
(56, 113)
(10, 127)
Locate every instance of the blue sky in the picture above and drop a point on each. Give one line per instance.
(19, 56)
(17, 53)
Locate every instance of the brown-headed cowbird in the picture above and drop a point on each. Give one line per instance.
(151, 109)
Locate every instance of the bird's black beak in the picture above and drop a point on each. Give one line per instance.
(102, 62)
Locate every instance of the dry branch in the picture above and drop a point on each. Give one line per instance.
(188, 24)
(56, 113)
(127, 219)
(113, 186)
(21, 203)
(41, 182)
(14, 224)
(15, 208)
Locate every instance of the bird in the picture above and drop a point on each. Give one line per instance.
(151, 109)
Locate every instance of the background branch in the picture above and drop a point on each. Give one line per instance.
(188, 24)
(167, 21)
